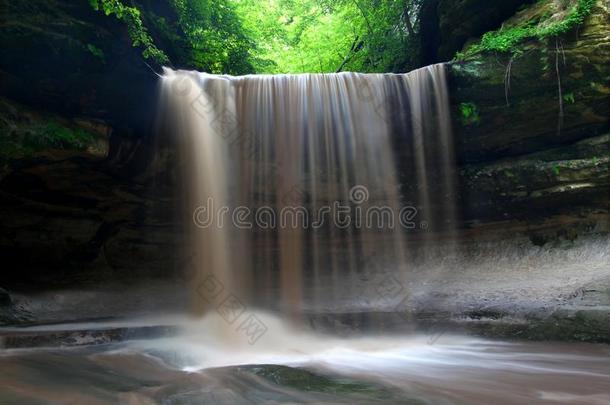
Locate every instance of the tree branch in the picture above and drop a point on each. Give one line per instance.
(353, 49)
(407, 18)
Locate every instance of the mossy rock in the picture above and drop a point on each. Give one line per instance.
(26, 133)
(461, 21)
(552, 93)
(307, 381)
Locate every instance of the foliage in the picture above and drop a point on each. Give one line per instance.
(275, 36)
(576, 17)
(56, 135)
(216, 36)
(137, 31)
(207, 35)
(469, 114)
(556, 170)
(51, 135)
(508, 39)
(569, 98)
(327, 36)
(297, 36)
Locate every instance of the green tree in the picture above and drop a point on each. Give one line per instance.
(208, 34)
(329, 36)
(277, 36)
(218, 42)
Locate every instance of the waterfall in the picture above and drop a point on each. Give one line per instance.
(306, 191)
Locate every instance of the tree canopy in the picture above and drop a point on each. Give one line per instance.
(301, 36)
(276, 36)
(324, 36)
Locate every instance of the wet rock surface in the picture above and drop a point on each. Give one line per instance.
(572, 179)
(73, 338)
(310, 381)
(65, 57)
(531, 128)
(398, 371)
(5, 298)
(449, 24)
(516, 99)
(74, 220)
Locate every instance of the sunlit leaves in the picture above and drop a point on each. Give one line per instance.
(325, 36)
(137, 31)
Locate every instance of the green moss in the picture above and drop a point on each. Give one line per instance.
(509, 39)
(304, 380)
(52, 135)
(556, 170)
(469, 114)
(61, 137)
(504, 40)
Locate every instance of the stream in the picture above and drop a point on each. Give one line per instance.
(290, 365)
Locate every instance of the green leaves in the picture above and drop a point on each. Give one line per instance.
(509, 39)
(217, 37)
(277, 36)
(135, 27)
(576, 17)
(469, 114)
(56, 135)
(505, 40)
(323, 36)
(569, 98)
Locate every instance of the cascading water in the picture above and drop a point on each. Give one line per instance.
(304, 188)
(344, 152)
